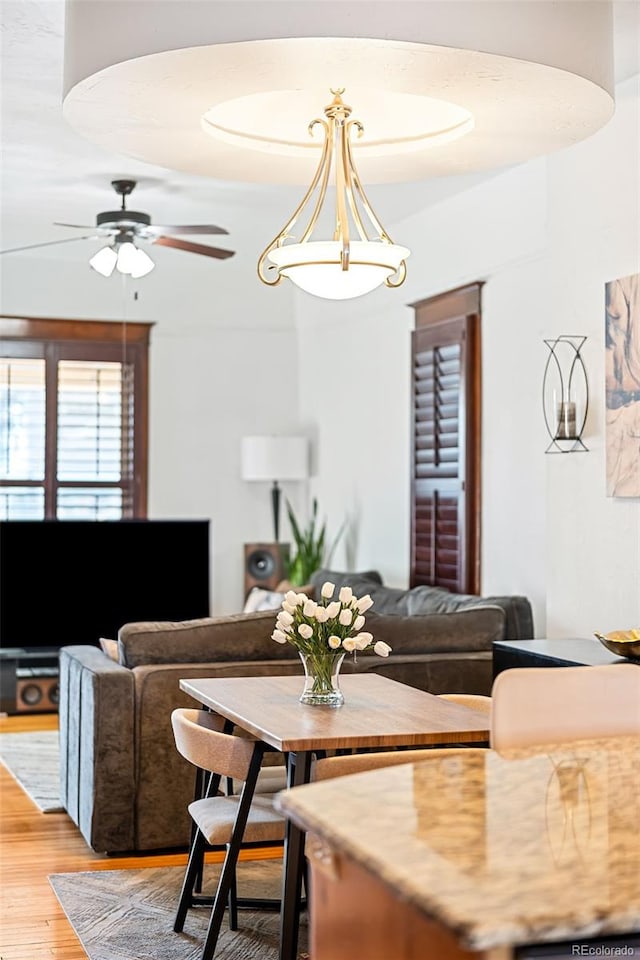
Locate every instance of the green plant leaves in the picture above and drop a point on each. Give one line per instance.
(310, 546)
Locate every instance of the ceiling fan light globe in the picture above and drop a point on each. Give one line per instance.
(127, 257)
(315, 266)
(143, 264)
(104, 261)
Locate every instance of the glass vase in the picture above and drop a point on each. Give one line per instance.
(322, 678)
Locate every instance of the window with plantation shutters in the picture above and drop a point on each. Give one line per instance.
(445, 485)
(73, 419)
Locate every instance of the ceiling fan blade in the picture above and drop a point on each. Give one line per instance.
(76, 226)
(185, 229)
(49, 243)
(193, 247)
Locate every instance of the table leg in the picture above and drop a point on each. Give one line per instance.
(298, 771)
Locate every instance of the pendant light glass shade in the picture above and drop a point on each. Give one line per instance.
(316, 266)
(337, 268)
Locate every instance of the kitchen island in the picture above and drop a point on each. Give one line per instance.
(477, 856)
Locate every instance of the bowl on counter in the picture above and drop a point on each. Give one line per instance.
(624, 644)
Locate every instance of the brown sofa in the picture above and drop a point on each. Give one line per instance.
(122, 780)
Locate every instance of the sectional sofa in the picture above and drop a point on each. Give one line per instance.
(122, 780)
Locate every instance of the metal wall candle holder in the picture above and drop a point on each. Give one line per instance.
(565, 394)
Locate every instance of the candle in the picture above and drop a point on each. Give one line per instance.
(566, 413)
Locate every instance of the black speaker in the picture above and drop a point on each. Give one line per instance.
(264, 565)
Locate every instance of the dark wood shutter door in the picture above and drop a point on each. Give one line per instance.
(445, 498)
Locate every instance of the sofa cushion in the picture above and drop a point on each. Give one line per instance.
(307, 588)
(243, 636)
(391, 600)
(462, 631)
(359, 581)
(426, 599)
(110, 648)
(518, 615)
(259, 599)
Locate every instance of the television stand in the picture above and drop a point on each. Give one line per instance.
(29, 680)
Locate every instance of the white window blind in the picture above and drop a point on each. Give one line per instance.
(22, 437)
(89, 421)
(22, 419)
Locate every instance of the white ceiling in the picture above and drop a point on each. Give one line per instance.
(49, 173)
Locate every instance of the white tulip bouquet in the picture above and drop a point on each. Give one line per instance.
(323, 632)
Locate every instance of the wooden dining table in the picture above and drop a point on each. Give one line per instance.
(377, 713)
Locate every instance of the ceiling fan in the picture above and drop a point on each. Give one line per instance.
(122, 227)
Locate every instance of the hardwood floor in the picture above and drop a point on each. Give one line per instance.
(33, 845)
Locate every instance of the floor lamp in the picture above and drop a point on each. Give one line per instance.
(275, 459)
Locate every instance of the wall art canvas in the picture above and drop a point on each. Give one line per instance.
(622, 339)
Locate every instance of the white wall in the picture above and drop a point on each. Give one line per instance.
(593, 560)
(544, 237)
(222, 365)
(354, 396)
(208, 390)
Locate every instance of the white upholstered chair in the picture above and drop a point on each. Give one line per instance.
(538, 705)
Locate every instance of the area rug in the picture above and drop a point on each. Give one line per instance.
(32, 758)
(128, 914)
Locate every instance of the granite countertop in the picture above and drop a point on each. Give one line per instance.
(527, 847)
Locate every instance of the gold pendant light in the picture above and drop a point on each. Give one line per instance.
(342, 267)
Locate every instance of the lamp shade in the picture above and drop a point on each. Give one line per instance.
(275, 458)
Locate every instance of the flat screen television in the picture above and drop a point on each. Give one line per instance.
(73, 581)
